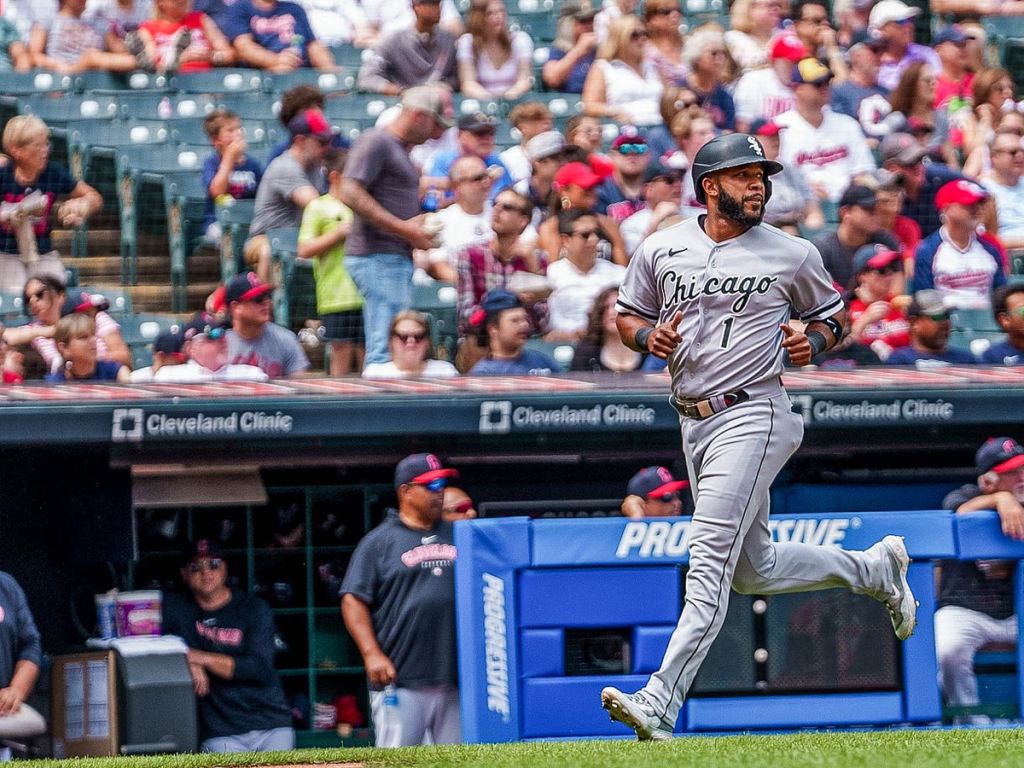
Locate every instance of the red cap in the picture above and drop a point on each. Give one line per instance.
(788, 47)
(960, 191)
(580, 174)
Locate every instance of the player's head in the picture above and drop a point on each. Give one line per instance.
(420, 481)
(1000, 466)
(205, 570)
(736, 165)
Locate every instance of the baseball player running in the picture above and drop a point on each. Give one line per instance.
(714, 295)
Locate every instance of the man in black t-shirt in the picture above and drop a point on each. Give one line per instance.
(976, 598)
(398, 602)
(230, 638)
(858, 226)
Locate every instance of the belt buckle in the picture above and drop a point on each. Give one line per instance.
(691, 411)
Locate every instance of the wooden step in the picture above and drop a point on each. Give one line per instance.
(157, 298)
(156, 269)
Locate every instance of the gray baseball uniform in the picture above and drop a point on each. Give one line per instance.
(733, 295)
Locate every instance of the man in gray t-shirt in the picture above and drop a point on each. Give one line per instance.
(253, 339)
(381, 186)
(287, 185)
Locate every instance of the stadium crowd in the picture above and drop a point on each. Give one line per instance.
(903, 156)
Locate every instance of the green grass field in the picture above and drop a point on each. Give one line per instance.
(965, 748)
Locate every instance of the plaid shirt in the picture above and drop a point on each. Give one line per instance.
(480, 271)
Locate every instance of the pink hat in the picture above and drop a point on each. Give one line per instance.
(788, 47)
(960, 191)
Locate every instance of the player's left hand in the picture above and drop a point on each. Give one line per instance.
(665, 337)
(10, 701)
(796, 343)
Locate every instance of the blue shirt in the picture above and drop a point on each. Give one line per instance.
(908, 356)
(106, 370)
(54, 181)
(1003, 353)
(272, 29)
(241, 186)
(612, 201)
(19, 638)
(718, 103)
(530, 363)
(577, 75)
(218, 10)
(443, 161)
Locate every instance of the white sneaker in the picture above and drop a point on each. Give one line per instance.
(900, 602)
(633, 710)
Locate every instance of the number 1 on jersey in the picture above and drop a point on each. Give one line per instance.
(728, 331)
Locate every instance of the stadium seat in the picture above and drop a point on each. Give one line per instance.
(234, 219)
(220, 82)
(364, 107)
(561, 351)
(120, 300)
(562, 105)
(184, 205)
(284, 247)
(541, 27)
(12, 307)
(974, 320)
(439, 300)
(191, 131)
(328, 82)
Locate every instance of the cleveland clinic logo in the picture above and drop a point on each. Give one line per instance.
(495, 417)
(127, 425)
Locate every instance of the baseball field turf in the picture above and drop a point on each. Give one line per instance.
(967, 748)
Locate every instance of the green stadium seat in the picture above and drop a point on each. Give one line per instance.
(184, 205)
(120, 300)
(562, 105)
(234, 220)
(284, 247)
(349, 56)
(220, 82)
(466, 105)
(364, 107)
(976, 320)
(439, 300)
(12, 308)
(561, 351)
(35, 82)
(328, 82)
(189, 130)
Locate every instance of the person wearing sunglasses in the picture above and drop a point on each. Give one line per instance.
(893, 21)
(398, 602)
(252, 338)
(876, 318)
(813, 26)
(412, 351)
(654, 492)
(929, 335)
(623, 84)
(1005, 182)
(205, 354)
(1008, 308)
(708, 59)
(466, 221)
(858, 226)
(620, 195)
(230, 639)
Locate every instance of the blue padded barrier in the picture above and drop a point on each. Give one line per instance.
(542, 652)
(570, 706)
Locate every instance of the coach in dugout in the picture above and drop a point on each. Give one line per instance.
(398, 602)
(976, 598)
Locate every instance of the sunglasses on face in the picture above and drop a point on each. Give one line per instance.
(632, 149)
(213, 564)
(478, 178)
(816, 20)
(1011, 152)
(665, 497)
(586, 235)
(434, 486)
(405, 338)
(510, 208)
(1019, 312)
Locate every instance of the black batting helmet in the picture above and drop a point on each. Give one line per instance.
(730, 151)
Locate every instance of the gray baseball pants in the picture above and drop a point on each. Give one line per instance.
(733, 457)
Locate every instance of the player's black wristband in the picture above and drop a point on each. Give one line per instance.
(641, 337)
(818, 343)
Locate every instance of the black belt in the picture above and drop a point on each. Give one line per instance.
(701, 409)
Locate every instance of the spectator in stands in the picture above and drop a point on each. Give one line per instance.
(29, 188)
(386, 17)
(621, 194)
(529, 118)
(979, 161)
(858, 226)
(326, 225)
(665, 42)
(467, 221)
(955, 81)
(584, 132)
(877, 318)
(494, 62)
(275, 35)
(295, 101)
(828, 148)
(45, 297)
(506, 329)
(95, 306)
(14, 55)
(26, 14)
(792, 202)
(476, 139)
(976, 598)
(546, 153)
(381, 186)
(766, 93)
(73, 44)
(75, 337)
(1008, 308)
(230, 638)
(860, 96)
(813, 26)
(994, 94)
(893, 21)
(850, 18)
(707, 57)
(121, 16)
(691, 129)
(253, 339)
(12, 362)
(22, 658)
(578, 276)
(623, 85)
(339, 22)
(167, 351)
(903, 155)
(457, 505)
(963, 267)
(218, 10)
(206, 354)
(929, 335)
(228, 172)
(422, 54)
(573, 53)
(179, 39)
(412, 351)
(662, 194)
(401, 615)
(288, 184)
(914, 100)
(752, 28)
(1005, 182)
(654, 492)
(601, 347)
(888, 204)
(575, 188)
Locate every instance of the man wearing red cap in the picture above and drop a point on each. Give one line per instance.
(962, 267)
(253, 339)
(765, 93)
(654, 492)
(398, 602)
(976, 601)
(576, 185)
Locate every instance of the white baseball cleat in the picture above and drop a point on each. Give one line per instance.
(900, 602)
(633, 710)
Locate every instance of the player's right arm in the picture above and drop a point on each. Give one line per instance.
(662, 338)
(379, 668)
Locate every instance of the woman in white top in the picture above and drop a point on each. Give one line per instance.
(623, 84)
(494, 63)
(412, 353)
(752, 25)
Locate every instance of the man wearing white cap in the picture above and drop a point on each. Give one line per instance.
(893, 21)
(546, 153)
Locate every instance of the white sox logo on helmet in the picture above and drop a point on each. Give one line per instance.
(755, 146)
